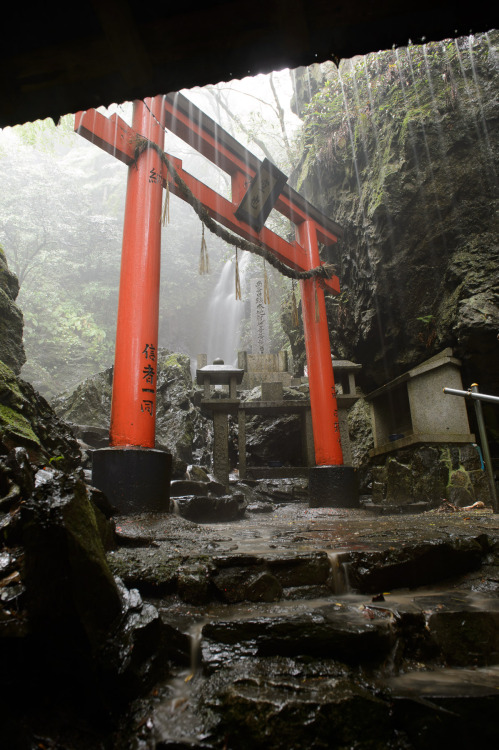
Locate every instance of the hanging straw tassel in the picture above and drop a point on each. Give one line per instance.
(317, 311)
(238, 281)
(294, 307)
(266, 294)
(165, 217)
(204, 263)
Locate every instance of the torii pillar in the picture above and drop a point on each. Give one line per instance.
(134, 476)
(330, 482)
(132, 473)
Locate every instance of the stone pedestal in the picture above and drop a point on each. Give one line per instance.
(333, 487)
(221, 466)
(134, 480)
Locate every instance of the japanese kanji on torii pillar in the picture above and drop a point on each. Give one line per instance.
(131, 471)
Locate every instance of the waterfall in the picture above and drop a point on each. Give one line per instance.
(225, 314)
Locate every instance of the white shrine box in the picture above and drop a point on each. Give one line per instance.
(414, 409)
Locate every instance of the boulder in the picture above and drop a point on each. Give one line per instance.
(209, 509)
(71, 634)
(181, 429)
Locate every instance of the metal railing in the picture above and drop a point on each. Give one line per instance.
(478, 397)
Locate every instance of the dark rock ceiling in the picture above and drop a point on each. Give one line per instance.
(57, 58)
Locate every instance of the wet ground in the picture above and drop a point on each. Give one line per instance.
(296, 527)
(320, 628)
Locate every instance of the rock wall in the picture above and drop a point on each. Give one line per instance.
(26, 419)
(401, 150)
(11, 319)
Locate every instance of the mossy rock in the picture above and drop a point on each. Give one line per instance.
(11, 319)
(27, 420)
(66, 572)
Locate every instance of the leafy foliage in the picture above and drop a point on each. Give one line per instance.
(358, 102)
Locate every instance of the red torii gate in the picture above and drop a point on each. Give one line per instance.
(134, 384)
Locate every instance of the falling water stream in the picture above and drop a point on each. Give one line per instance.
(225, 313)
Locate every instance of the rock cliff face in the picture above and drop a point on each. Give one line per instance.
(401, 150)
(11, 319)
(26, 419)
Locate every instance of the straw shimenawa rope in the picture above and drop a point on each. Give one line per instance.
(324, 271)
(165, 217)
(204, 261)
(294, 307)
(238, 280)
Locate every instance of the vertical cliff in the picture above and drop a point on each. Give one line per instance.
(11, 319)
(401, 148)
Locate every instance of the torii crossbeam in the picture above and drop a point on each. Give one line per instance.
(134, 384)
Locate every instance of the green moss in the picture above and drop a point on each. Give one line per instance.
(173, 361)
(10, 392)
(13, 423)
(415, 116)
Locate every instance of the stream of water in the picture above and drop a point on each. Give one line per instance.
(225, 313)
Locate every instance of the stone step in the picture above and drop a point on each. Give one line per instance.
(455, 628)
(291, 703)
(234, 575)
(445, 707)
(331, 631)
(412, 565)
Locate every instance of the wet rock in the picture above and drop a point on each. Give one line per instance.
(300, 570)
(283, 490)
(181, 429)
(27, 420)
(283, 714)
(252, 584)
(211, 509)
(465, 628)
(215, 488)
(432, 155)
(179, 487)
(194, 583)
(413, 565)
(16, 478)
(147, 569)
(440, 706)
(427, 474)
(71, 635)
(11, 319)
(198, 473)
(295, 593)
(137, 648)
(66, 573)
(261, 507)
(329, 632)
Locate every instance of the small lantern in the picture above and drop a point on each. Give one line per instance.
(219, 374)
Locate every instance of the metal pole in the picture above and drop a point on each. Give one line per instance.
(485, 447)
(473, 395)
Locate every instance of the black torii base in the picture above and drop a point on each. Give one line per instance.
(134, 480)
(333, 487)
